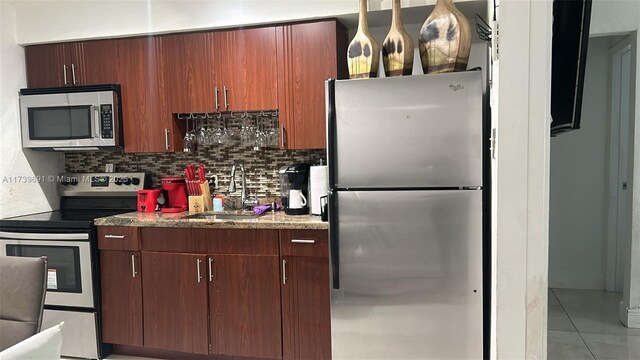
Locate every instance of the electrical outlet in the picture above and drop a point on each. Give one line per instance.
(212, 180)
(109, 168)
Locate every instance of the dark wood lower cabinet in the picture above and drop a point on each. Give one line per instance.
(306, 312)
(175, 302)
(121, 297)
(258, 294)
(245, 306)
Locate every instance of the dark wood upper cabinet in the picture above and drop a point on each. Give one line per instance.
(96, 62)
(191, 72)
(45, 65)
(121, 295)
(175, 302)
(261, 68)
(70, 64)
(245, 306)
(249, 80)
(147, 122)
(308, 54)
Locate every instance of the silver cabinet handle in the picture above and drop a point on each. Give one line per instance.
(166, 138)
(282, 135)
(226, 100)
(210, 269)
(217, 104)
(73, 74)
(64, 73)
(114, 236)
(133, 265)
(302, 241)
(284, 272)
(198, 261)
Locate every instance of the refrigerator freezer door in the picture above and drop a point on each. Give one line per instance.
(409, 131)
(410, 271)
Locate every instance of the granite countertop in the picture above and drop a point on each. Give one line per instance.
(277, 220)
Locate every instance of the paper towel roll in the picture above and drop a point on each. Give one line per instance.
(318, 186)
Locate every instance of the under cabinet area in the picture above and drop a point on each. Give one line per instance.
(216, 291)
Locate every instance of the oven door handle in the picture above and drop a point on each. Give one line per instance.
(43, 236)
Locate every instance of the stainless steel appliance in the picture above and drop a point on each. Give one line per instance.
(71, 118)
(406, 216)
(68, 239)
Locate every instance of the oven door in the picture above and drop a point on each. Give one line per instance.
(70, 279)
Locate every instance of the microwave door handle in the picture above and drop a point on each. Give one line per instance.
(96, 122)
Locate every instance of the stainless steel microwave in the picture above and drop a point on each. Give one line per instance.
(79, 118)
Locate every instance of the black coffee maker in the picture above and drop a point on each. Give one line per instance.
(294, 177)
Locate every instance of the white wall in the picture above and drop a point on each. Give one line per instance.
(613, 17)
(16, 165)
(522, 86)
(60, 20)
(579, 184)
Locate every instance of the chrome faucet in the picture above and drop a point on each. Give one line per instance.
(246, 202)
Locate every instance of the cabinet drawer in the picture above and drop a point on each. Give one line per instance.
(210, 241)
(304, 243)
(118, 238)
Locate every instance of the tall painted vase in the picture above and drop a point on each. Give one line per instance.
(397, 48)
(445, 39)
(363, 54)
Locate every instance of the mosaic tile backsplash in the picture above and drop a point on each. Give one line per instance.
(261, 165)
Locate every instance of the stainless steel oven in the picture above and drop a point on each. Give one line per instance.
(71, 118)
(67, 237)
(70, 277)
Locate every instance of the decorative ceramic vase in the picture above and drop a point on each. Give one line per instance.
(445, 39)
(397, 48)
(363, 54)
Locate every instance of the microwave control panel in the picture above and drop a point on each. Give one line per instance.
(106, 121)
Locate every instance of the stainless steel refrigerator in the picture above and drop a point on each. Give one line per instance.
(406, 216)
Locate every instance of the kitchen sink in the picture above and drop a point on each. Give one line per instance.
(223, 216)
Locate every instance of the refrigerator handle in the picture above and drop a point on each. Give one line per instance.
(333, 240)
(332, 164)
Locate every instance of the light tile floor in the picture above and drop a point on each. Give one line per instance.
(583, 324)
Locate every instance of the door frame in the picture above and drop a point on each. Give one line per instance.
(616, 247)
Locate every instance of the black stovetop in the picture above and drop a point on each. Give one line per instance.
(76, 214)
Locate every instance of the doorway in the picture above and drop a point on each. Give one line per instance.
(620, 141)
(590, 210)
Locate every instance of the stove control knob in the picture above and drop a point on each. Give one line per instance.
(73, 181)
(135, 181)
(126, 181)
(118, 181)
(64, 182)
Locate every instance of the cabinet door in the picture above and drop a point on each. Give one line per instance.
(250, 73)
(148, 125)
(121, 296)
(245, 306)
(308, 54)
(96, 62)
(45, 66)
(190, 72)
(306, 316)
(175, 302)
